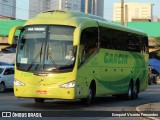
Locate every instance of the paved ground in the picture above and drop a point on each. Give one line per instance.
(151, 110)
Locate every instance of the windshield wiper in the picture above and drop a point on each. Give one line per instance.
(52, 60)
(40, 53)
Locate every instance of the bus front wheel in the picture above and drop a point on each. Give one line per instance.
(91, 95)
(39, 100)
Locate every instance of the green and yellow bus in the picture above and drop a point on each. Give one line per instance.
(105, 59)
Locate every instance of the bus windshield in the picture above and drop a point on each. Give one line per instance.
(46, 48)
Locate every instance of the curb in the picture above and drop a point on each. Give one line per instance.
(139, 111)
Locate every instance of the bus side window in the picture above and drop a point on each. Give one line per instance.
(105, 38)
(133, 43)
(88, 43)
(146, 44)
(142, 44)
(137, 44)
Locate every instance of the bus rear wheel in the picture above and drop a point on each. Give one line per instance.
(39, 100)
(136, 90)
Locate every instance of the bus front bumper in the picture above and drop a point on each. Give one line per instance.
(44, 92)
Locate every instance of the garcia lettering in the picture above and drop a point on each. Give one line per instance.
(115, 58)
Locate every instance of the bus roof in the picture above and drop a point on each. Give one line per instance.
(63, 18)
(58, 17)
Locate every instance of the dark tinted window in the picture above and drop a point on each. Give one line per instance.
(88, 43)
(120, 40)
(9, 71)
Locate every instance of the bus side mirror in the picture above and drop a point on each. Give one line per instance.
(76, 35)
(11, 40)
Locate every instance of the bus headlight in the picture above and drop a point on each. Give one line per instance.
(18, 83)
(70, 84)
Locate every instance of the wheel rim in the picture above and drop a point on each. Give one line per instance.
(90, 93)
(129, 92)
(2, 87)
(89, 96)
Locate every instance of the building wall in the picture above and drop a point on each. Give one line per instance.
(37, 6)
(156, 19)
(34, 7)
(8, 8)
(100, 7)
(136, 11)
(3, 41)
(5, 18)
(95, 7)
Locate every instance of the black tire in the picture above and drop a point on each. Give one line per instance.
(135, 91)
(39, 100)
(91, 95)
(2, 87)
(129, 95)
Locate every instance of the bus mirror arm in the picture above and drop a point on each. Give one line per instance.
(12, 34)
